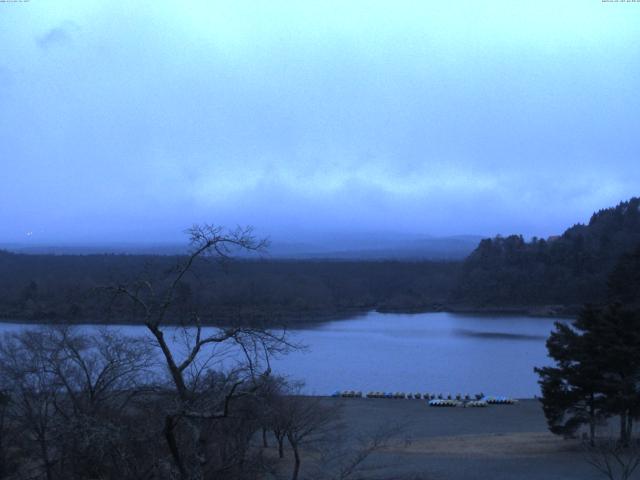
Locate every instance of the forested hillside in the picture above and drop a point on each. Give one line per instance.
(566, 270)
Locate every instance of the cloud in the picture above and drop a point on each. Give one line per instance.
(57, 36)
(411, 117)
(6, 77)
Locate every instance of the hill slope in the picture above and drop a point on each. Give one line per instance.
(569, 270)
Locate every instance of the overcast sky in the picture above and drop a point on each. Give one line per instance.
(130, 120)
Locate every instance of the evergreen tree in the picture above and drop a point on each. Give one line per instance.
(570, 391)
(624, 280)
(617, 330)
(597, 372)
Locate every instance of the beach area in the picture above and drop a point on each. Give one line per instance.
(498, 442)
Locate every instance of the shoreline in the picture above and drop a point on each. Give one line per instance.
(308, 319)
(501, 442)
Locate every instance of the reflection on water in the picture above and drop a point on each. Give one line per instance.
(499, 335)
(430, 352)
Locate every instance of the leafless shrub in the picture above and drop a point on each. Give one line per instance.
(344, 457)
(306, 422)
(614, 460)
(69, 393)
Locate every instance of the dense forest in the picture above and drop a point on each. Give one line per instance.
(504, 273)
(71, 287)
(570, 269)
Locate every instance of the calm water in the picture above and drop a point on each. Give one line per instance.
(430, 352)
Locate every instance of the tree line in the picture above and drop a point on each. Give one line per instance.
(571, 269)
(68, 287)
(501, 273)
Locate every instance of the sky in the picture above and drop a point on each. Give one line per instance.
(132, 120)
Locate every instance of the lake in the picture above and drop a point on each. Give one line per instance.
(427, 352)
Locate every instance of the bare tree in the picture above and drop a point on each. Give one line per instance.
(102, 370)
(33, 392)
(197, 402)
(307, 421)
(313, 426)
(277, 419)
(99, 405)
(71, 392)
(272, 391)
(351, 461)
(8, 462)
(613, 459)
(99, 376)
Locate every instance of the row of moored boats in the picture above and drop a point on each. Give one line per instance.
(434, 400)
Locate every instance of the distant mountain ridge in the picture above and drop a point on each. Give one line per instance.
(428, 248)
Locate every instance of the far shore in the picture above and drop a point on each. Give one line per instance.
(306, 319)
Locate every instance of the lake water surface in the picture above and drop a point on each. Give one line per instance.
(428, 352)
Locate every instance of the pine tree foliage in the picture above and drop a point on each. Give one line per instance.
(597, 371)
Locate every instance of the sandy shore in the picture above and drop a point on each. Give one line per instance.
(499, 442)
